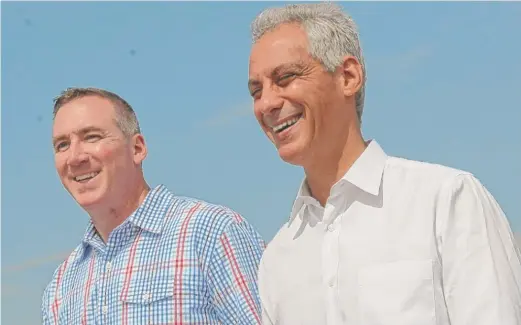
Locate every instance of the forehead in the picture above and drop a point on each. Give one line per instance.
(285, 44)
(89, 111)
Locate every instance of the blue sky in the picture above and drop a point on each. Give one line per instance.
(444, 84)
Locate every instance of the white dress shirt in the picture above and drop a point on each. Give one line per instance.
(399, 242)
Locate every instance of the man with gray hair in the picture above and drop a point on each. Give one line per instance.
(148, 256)
(372, 239)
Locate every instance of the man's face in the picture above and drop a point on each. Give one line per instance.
(95, 161)
(300, 106)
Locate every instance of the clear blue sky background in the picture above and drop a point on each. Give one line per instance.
(444, 85)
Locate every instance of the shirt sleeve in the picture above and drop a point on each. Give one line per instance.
(233, 274)
(45, 309)
(481, 262)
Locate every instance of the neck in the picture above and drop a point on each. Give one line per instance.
(331, 164)
(106, 219)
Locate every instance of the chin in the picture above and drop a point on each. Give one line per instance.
(86, 203)
(88, 200)
(291, 155)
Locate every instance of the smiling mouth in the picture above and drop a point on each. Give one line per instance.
(85, 177)
(286, 125)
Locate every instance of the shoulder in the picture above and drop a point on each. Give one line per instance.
(458, 196)
(203, 218)
(423, 169)
(438, 177)
(206, 227)
(439, 184)
(198, 211)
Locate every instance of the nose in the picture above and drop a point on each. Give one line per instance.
(270, 101)
(77, 155)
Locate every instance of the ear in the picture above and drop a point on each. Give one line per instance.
(140, 148)
(352, 75)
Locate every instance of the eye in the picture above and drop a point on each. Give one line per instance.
(92, 137)
(286, 78)
(255, 93)
(61, 146)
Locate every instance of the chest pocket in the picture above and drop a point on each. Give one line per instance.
(167, 297)
(149, 298)
(397, 293)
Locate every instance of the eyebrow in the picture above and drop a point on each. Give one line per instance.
(82, 131)
(299, 65)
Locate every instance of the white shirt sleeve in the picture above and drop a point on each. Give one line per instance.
(481, 262)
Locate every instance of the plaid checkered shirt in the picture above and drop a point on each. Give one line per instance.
(174, 261)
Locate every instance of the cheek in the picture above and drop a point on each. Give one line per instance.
(116, 157)
(303, 96)
(258, 115)
(324, 103)
(105, 151)
(256, 111)
(61, 170)
(60, 163)
(296, 92)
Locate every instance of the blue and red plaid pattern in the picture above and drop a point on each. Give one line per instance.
(174, 261)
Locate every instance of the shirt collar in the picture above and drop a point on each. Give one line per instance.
(148, 216)
(366, 174)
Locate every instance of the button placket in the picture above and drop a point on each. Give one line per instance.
(330, 255)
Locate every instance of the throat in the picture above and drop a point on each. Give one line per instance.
(108, 218)
(105, 223)
(328, 168)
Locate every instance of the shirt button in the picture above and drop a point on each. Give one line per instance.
(105, 310)
(332, 283)
(330, 227)
(108, 266)
(146, 296)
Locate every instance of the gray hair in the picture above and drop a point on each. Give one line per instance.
(332, 34)
(126, 118)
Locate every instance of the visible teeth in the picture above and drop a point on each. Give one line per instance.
(85, 176)
(286, 124)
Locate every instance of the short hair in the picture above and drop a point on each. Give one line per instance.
(331, 33)
(126, 118)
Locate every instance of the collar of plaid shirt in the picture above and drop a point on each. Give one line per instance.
(148, 216)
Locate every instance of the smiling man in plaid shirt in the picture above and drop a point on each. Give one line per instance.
(148, 256)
